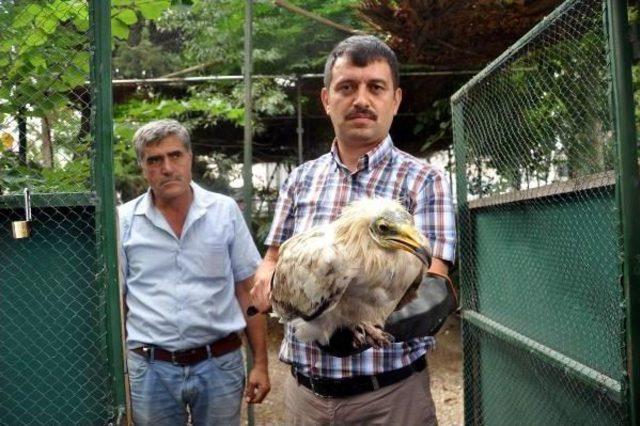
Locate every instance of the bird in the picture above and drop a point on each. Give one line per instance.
(350, 274)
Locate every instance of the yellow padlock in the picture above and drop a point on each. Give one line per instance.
(22, 228)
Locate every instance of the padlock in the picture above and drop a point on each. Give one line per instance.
(22, 228)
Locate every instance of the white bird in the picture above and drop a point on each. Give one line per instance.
(350, 274)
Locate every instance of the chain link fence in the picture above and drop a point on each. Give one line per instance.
(540, 252)
(54, 366)
(543, 328)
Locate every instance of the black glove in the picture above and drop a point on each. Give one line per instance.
(425, 315)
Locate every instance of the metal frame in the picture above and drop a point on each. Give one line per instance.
(627, 184)
(627, 191)
(100, 24)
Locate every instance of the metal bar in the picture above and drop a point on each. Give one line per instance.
(579, 371)
(247, 174)
(207, 78)
(471, 352)
(511, 51)
(100, 24)
(247, 166)
(596, 180)
(299, 129)
(60, 199)
(628, 191)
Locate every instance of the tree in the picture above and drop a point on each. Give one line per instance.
(44, 66)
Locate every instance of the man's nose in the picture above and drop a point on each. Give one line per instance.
(166, 166)
(362, 97)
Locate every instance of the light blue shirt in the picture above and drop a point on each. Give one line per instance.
(180, 292)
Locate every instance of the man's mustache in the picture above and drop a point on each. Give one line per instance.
(174, 179)
(358, 113)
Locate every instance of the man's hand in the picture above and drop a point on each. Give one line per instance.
(258, 385)
(261, 291)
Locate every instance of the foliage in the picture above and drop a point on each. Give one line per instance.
(283, 42)
(44, 66)
(542, 118)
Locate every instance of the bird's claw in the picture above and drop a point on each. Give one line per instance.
(371, 334)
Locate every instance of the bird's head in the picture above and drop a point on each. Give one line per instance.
(389, 225)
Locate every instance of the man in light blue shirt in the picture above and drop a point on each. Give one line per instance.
(188, 262)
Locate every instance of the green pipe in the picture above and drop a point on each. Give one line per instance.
(627, 191)
(471, 352)
(247, 166)
(100, 24)
(549, 356)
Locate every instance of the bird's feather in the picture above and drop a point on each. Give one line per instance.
(352, 273)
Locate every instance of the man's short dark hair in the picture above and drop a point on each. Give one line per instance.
(361, 51)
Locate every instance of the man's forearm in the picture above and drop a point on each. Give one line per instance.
(439, 266)
(256, 325)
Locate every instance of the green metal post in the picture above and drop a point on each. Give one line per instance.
(100, 15)
(247, 167)
(628, 191)
(247, 172)
(471, 353)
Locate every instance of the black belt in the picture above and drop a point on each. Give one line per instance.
(194, 355)
(350, 386)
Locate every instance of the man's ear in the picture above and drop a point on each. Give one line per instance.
(324, 96)
(397, 99)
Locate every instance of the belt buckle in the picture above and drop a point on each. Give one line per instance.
(173, 358)
(375, 383)
(313, 381)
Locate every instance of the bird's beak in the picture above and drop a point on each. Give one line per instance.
(409, 240)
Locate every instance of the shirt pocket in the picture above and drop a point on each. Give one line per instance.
(211, 259)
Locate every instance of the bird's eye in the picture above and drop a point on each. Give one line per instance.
(383, 228)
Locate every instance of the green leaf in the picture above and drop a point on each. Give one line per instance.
(37, 37)
(119, 30)
(122, 2)
(6, 45)
(27, 16)
(153, 9)
(127, 16)
(36, 60)
(48, 24)
(81, 21)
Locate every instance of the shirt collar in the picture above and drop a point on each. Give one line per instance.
(201, 200)
(371, 159)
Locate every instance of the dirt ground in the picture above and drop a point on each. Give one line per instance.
(445, 368)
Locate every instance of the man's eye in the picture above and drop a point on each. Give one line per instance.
(153, 160)
(175, 155)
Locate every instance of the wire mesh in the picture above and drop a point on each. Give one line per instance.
(53, 365)
(540, 237)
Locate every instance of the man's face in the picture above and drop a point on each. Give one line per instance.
(361, 101)
(166, 166)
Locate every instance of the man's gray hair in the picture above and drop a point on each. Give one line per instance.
(154, 131)
(362, 50)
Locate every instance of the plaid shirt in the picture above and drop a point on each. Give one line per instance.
(315, 194)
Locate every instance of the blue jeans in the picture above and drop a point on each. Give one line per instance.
(161, 391)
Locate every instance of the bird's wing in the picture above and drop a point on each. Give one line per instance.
(412, 291)
(310, 276)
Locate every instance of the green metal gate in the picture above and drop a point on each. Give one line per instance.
(548, 201)
(61, 353)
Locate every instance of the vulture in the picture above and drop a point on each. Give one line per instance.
(350, 274)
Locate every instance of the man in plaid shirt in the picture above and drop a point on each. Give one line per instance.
(378, 385)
